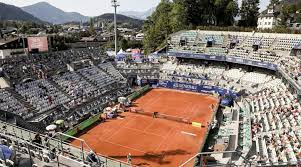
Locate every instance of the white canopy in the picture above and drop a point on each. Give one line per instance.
(120, 52)
(51, 127)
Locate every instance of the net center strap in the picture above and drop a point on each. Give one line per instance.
(162, 116)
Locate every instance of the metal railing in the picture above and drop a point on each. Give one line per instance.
(67, 151)
(200, 156)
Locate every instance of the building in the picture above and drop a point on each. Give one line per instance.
(107, 36)
(12, 46)
(140, 37)
(268, 19)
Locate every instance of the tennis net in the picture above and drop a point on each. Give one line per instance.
(162, 116)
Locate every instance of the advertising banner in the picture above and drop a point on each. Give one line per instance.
(37, 44)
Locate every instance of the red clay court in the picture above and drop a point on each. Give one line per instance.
(155, 141)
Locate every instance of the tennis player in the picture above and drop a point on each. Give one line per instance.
(155, 114)
(129, 157)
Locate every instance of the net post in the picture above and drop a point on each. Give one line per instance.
(58, 162)
(82, 150)
(61, 142)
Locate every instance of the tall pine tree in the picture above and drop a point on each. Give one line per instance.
(157, 27)
(249, 13)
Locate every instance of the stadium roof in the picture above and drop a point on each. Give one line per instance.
(6, 41)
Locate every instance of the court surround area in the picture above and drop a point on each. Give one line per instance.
(154, 141)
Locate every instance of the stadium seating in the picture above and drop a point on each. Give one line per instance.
(96, 76)
(41, 94)
(239, 53)
(108, 67)
(253, 40)
(190, 36)
(215, 38)
(271, 46)
(77, 87)
(292, 66)
(9, 103)
(142, 70)
(39, 66)
(275, 118)
(286, 44)
(217, 51)
(238, 39)
(267, 42)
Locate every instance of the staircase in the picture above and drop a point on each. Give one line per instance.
(260, 147)
(120, 78)
(226, 41)
(59, 88)
(87, 80)
(274, 44)
(107, 73)
(243, 43)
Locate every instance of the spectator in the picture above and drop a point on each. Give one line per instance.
(91, 157)
(129, 159)
(37, 139)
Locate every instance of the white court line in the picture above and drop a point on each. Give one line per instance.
(187, 133)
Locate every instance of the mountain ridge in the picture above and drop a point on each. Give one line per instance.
(49, 13)
(121, 20)
(139, 15)
(11, 12)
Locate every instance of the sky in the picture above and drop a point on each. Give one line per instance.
(97, 7)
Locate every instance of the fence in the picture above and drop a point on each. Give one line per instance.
(139, 93)
(82, 126)
(199, 159)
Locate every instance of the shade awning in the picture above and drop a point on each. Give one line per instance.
(51, 127)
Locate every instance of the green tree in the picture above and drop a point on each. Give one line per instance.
(91, 27)
(274, 2)
(224, 12)
(286, 13)
(249, 13)
(178, 16)
(158, 27)
(124, 44)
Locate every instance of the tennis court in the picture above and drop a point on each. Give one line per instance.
(155, 141)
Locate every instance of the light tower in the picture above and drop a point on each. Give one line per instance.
(115, 4)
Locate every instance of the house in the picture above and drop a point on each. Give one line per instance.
(268, 19)
(88, 39)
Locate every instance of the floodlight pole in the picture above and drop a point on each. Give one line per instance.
(115, 5)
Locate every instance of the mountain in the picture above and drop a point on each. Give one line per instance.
(10, 12)
(139, 15)
(125, 21)
(51, 14)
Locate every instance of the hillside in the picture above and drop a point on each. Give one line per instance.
(10, 12)
(51, 14)
(139, 15)
(121, 20)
